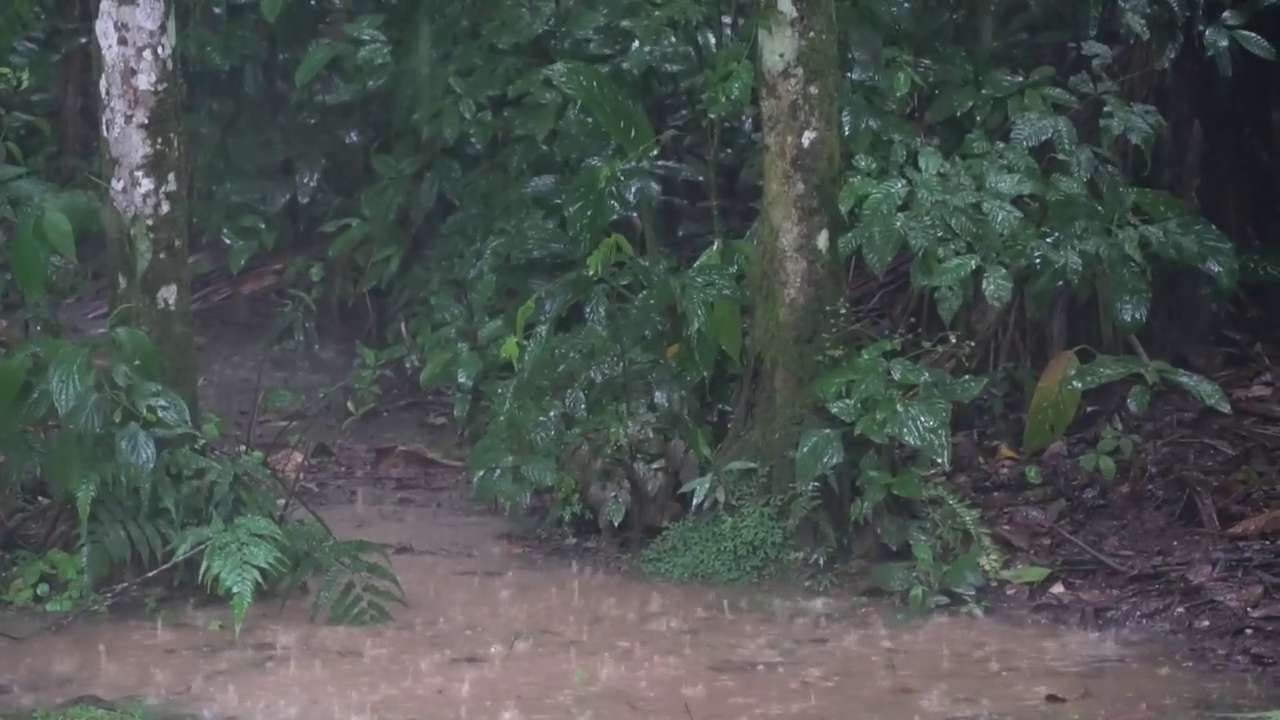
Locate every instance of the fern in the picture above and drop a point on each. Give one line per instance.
(356, 589)
(957, 521)
(237, 558)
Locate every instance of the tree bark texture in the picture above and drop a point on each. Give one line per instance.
(140, 88)
(794, 271)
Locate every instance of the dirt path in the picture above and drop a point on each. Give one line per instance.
(496, 631)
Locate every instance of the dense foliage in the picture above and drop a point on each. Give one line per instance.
(551, 208)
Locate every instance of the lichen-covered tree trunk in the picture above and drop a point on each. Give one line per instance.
(794, 270)
(140, 89)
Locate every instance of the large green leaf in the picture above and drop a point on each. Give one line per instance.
(925, 424)
(136, 448)
(1053, 405)
(29, 259)
(818, 453)
(56, 228)
(1199, 387)
(314, 61)
(609, 105)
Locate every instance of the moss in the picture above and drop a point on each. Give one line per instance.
(794, 274)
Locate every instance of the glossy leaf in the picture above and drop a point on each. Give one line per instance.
(607, 104)
(819, 452)
(1053, 404)
(57, 231)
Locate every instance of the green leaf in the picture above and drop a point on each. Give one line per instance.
(609, 105)
(907, 485)
(1254, 43)
(929, 160)
(1104, 370)
(818, 453)
(136, 447)
(271, 9)
(320, 55)
(522, 316)
(1107, 466)
(1025, 574)
(68, 378)
(1053, 405)
(167, 407)
(1126, 295)
(726, 321)
(949, 103)
(1033, 475)
(997, 286)
(28, 259)
(1199, 387)
(1139, 398)
(925, 424)
(349, 239)
(58, 233)
(134, 348)
(880, 245)
(13, 374)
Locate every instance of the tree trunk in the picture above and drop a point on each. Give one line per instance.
(794, 270)
(141, 91)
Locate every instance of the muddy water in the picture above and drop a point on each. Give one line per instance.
(492, 632)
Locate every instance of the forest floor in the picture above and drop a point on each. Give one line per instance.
(1185, 539)
(502, 624)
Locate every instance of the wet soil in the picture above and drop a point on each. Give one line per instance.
(496, 629)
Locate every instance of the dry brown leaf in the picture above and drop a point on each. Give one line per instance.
(1264, 524)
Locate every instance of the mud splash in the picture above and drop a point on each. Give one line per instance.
(492, 632)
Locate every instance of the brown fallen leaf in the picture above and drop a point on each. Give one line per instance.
(289, 464)
(409, 458)
(1264, 524)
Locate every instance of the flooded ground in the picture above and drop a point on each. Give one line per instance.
(494, 630)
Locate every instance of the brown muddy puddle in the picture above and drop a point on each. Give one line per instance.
(495, 633)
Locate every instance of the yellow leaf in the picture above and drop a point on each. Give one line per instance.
(1004, 452)
(672, 350)
(1053, 406)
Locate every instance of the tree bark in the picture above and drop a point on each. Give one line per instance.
(794, 274)
(140, 89)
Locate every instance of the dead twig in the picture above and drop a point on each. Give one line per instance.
(1094, 553)
(116, 592)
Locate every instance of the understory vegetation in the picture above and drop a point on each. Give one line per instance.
(549, 211)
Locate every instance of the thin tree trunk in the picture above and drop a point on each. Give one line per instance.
(794, 270)
(141, 93)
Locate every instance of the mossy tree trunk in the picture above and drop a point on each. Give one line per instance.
(794, 271)
(140, 88)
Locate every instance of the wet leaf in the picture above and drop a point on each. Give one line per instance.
(1199, 387)
(1254, 43)
(1104, 370)
(1139, 398)
(1025, 574)
(880, 245)
(58, 233)
(925, 424)
(997, 286)
(136, 447)
(320, 55)
(818, 452)
(607, 104)
(726, 319)
(68, 378)
(28, 259)
(1053, 405)
(271, 9)
(13, 374)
